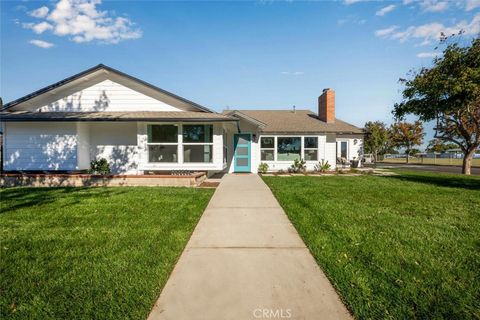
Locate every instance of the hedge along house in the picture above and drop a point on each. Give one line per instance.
(140, 128)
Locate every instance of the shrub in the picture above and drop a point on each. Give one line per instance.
(322, 166)
(298, 166)
(99, 166)
(263, 167)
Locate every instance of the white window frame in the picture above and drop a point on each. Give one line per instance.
(339, 147)
(304, 148)
(178, 143)
(274, 148)
(197, 143)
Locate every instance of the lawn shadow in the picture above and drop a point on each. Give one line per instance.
(29, 197)
(462, 182)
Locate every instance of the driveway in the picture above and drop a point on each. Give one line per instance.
(245, 260)
(428, 168)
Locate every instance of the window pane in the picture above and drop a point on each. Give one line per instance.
(343, 149)
(197, 153)
(310, 142)
(162, 133)
(311, 155)
(242, 151)
(243, 139)
(267, 155)
(288, 148)
(198, 133)
(242, 162)
(267, 142)
(162, 153)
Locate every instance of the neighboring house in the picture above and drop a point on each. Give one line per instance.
(139, 128)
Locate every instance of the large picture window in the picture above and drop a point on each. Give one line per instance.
(198, 143)
(288, 148)
(267, 148)
(162, 143)
(310, 148)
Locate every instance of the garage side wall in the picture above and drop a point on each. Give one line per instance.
(40, 146)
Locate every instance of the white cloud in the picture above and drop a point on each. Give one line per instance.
(386, 32)
(434, 5)
(41, 44)
(427, 54)
(81, 21)
(349, 2)
(432, 31)
(385, 10)
(39, 27)
(39, 13)
(407, 2)
(294, 73)
(472, 4)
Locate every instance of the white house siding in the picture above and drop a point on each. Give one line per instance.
(116, 142)
(217, 157)
(40, 146)
(354, 146)
(106, 95)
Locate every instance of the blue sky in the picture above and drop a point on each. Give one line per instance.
(263, 54)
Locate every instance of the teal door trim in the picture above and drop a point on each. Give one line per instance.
(242, 152)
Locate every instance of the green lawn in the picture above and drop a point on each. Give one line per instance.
(401, 247)
(91, 253)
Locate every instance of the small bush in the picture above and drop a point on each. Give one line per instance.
(298, 166)
(323, 166)
(263, 167)
(100, 166)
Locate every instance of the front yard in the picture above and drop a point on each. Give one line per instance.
(399, 247)
(91, 253)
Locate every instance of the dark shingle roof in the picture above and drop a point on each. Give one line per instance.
(300, 121)
(184, 116)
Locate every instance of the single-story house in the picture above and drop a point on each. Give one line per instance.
(140, 128)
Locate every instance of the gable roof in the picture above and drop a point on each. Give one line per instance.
(300, 121)
(107, 69)
(183, 116)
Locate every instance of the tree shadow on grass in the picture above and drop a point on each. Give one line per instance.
(462, 182)
(18, 198)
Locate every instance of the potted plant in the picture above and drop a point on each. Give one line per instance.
(354, 162)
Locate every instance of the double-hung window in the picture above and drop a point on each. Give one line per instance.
(162, 143)
(198, 143)
(310, 148)
(267, 148)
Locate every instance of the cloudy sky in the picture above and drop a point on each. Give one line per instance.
(263, 54)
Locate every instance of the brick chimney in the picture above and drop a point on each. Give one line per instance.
(326, 105)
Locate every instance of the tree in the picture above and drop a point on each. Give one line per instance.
(407, 135)
(376, 139)
(448, 92)
(440, 146)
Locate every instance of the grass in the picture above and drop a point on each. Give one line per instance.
(400, 247)
(439, 161)
(91, 253)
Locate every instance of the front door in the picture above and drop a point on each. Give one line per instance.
(242, 153)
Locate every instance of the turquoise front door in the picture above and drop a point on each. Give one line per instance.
(242, 145)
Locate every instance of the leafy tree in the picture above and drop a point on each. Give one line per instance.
(448, 92)
(407, 135)
(376, 139)
(440, 146)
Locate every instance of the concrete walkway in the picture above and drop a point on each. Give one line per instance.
(246, 261)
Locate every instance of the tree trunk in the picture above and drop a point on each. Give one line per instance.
(408, 154)
(467, 161)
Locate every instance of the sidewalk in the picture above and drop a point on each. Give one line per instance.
(246, 261)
